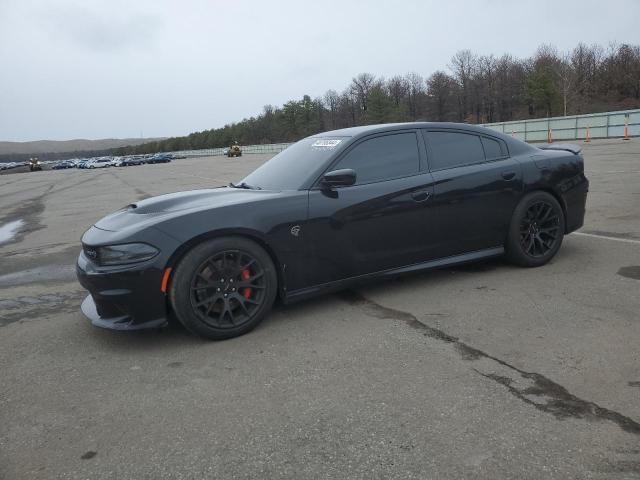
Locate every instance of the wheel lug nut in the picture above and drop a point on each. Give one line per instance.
(225, 295)
(218, 289)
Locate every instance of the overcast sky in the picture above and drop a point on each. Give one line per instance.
(125, 68)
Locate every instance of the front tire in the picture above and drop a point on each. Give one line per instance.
(536, 230)
(223, 288)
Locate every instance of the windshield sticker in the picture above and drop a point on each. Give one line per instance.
(325, 144)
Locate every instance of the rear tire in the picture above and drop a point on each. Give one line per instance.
(223, 288)
(536, 230)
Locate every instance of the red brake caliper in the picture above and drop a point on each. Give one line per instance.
(246, 275)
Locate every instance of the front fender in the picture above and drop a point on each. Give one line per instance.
(268, 223)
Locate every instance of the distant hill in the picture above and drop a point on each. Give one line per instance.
(78, 145)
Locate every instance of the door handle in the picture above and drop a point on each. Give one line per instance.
(421, 195)
(508, 175)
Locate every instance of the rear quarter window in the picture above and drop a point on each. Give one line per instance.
(493, 149)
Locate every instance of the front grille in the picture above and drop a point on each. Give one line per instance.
(109, 310)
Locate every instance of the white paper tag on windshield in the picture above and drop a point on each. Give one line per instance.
(325, 143)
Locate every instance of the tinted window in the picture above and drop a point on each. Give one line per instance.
(452, 149)
(492, 148)
(289, 169)
(383, 158)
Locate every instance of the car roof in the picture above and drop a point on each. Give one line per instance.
(388, 127)
(384, 127)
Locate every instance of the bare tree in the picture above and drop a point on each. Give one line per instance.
(398, 89)
(585, 61)
(361, 88)
(331, 102)
(462, 65)
(509, 86)
(484, 83)
(439, 91)
(566, 78)
(415, 91)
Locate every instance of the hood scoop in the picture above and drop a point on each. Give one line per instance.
(172, 202)
(144, 210)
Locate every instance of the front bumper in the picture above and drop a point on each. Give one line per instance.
(126, 298)
(123, 322)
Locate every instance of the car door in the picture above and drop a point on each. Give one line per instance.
(380, 222)
(477, 186)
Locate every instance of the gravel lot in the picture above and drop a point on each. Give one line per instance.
(483, 371)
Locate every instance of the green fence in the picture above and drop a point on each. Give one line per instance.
(601, 125)
(212, 152)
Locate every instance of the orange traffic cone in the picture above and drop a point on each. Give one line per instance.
(587, 138)
(549, 137)
(626, 129)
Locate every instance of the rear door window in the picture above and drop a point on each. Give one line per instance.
(383, 158)
(453, 149)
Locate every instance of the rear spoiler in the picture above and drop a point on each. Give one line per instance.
(567, 147)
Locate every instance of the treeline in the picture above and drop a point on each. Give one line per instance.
(474, 89)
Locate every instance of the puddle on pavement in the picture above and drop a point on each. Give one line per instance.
(9, 230)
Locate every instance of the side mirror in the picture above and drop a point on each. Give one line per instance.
(339, 178)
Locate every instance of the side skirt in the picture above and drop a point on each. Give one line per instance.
(305, 293)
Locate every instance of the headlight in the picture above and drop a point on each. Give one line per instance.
(121, 254)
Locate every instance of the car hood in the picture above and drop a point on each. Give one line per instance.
(148, 211)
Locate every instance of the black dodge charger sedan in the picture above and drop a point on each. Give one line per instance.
(331, 210)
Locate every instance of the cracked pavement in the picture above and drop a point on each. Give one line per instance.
(480, 371)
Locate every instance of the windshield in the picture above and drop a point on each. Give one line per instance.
(289, 169)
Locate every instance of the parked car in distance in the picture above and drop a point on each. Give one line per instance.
(160, 158)
(12, 165)
(327, 213)
(62, 165)
(131, 161)
(102, 162)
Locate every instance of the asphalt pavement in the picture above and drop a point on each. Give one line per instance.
(482, 371)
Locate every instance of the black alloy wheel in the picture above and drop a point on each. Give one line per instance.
(227, 289)
(539, 229)
(223, 287)
(536, 230)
